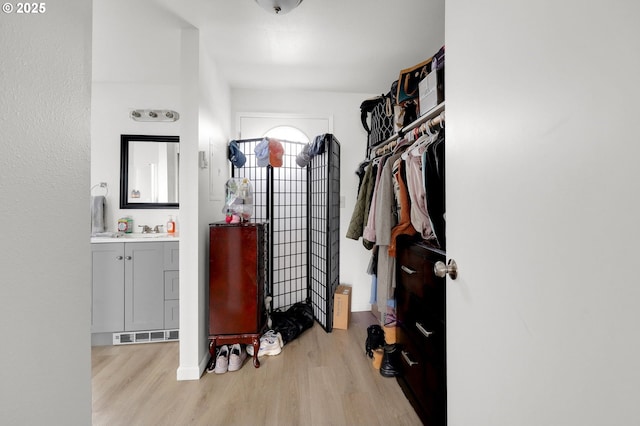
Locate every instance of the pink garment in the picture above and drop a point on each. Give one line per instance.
(419, 213)
(369, 232)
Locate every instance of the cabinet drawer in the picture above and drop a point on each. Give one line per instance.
(415, 275)
(171, 256)
(424, 377)
(171, 314)
(171, 285)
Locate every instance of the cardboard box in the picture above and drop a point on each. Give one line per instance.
(428, 91)
(342, 307)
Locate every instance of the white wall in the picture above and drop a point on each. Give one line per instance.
(205, 95)
(542, 212)
(45, 364)
(345, 109)
(111, 103)
(136, 64)
(214, 132)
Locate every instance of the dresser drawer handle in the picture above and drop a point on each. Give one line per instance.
(405, 355)
(423, 330)
(407, 270)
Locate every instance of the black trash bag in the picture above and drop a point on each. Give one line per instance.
(292, 322)
(375, 339)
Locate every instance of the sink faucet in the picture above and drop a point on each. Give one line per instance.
(158, 229)
(145, 229)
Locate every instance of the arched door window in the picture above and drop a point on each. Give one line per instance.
(287, 133)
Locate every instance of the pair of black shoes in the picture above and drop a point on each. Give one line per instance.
(390, 357)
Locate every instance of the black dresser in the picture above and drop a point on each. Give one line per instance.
(421, 332)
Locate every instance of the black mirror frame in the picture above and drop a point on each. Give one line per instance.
(124, 171)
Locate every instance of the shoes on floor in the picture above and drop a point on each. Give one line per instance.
(222, 360)
(237, 357)
(270, 344)
(212, 361)
(390, 361)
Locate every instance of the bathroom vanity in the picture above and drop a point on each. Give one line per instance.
(135, 289)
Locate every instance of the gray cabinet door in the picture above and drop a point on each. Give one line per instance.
(144, 286)
(107, 291)
(171, 314)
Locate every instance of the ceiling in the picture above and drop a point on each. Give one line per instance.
(330, 45)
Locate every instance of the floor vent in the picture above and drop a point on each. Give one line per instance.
(155, 336)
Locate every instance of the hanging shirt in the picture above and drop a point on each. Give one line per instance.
(369, 233)
(419, 214)
(404, 226)
(356, 225)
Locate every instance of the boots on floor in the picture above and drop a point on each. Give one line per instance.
(390, 361)
(375, 339)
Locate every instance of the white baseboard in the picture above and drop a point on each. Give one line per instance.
(193, 373)
(188, 373)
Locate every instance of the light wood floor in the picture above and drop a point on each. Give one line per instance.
(319, 379)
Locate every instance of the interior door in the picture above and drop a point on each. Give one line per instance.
(542, 213)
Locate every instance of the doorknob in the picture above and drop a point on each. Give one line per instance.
(441, 270)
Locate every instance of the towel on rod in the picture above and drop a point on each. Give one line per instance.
(97, 214)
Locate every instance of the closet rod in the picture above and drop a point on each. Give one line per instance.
(436, 110)
(436, 115)
(429, 120)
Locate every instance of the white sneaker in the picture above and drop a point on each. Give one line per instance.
(222, 360)
(237, 357)
(270, 344)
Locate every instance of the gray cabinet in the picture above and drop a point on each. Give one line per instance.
(143, 286)
(134, 286)
(107, 266)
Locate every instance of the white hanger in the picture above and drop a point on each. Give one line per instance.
(426, 139)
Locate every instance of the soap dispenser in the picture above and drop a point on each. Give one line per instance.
(171, 226)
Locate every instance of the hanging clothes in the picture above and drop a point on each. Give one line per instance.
(415, 184)
(356, 225)
(369, 233)
(384, 222)
(434, 182)
(404, 226)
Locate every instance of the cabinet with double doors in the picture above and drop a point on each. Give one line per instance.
(135, 286)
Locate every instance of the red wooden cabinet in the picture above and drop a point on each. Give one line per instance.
(237, 280)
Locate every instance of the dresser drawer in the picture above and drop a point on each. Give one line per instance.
(423, 376)
(415, 276)
(424, 332)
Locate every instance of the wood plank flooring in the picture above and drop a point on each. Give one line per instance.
(319, 379)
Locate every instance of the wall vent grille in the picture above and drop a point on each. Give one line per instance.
(155, 336)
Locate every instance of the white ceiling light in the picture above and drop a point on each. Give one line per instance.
(278, 7)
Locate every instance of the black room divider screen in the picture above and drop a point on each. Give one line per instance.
(302, 208)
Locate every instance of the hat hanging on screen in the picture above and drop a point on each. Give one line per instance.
(262, 152)
(276, 151)
(236, 156)
(278, 7)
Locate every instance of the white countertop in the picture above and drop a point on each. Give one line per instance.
(135, 237)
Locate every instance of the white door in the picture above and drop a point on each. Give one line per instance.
(543, 188)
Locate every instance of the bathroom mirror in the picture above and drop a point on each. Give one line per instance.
(149, 170)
